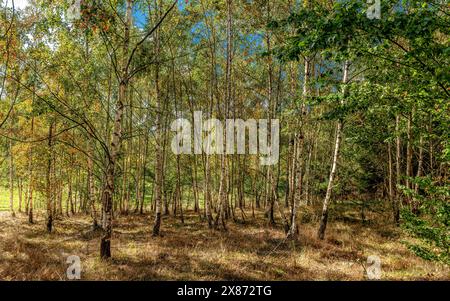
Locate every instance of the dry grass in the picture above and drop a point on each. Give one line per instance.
(248, 251)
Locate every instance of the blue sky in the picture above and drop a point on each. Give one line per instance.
(141, 16)
(251, 42)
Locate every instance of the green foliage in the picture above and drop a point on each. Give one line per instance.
(430, 224)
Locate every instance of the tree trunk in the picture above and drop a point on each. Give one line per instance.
(159, 147)
(270, 201)
(397, 168)
(430, 146)
(91, 187)
(299, 145)
(418, 175)
(307, 175)
(116, 143)
(223, 189)
(144, 190)
(409, 152)
(207, 192)
(49, 180)
(299, 177)
(70, 196)
(195, 186)
(391, 186)
(20, 191)
(326, 201)
(30, 179)
(60, 193)
(11, 175)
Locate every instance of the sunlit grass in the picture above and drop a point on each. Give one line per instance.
(247, 251)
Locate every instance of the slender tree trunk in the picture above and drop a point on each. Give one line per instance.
(195, 186)
(288, 172)
(49, 180)
(60, 193)
(430, 145)
(257, 191)
(124, 180)
(307, 175)
(292, 173)
(78, 192)
(391, 186)
(213, 92)
(221, 210)
(397, 168)
(178, 109)
(27, 200)
(54, 184)
(270, 202)
(299, 145)
(91, 187)
(20, 190)
(418, 175)
(144, 190)
(299, 177)
(159, 147)
(138, 164)
(11, 175)
(207, 193)
(324, 217)
(223, 189)
(116, 143)
(30, 179)
(70, 195)
(409, 152)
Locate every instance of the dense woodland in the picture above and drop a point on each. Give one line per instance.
(86, 107)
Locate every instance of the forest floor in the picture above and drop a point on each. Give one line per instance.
(190, 251)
